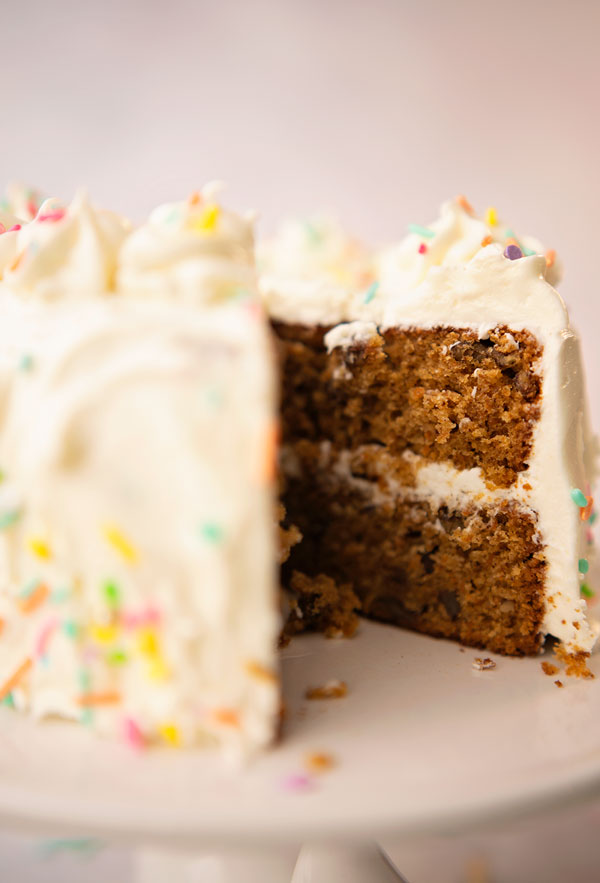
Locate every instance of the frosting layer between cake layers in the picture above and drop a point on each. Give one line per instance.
(137, 575)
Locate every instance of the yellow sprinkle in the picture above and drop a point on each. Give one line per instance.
(39, 547)
(158, 670)
(104, 634)
(207, 220)
(120, 542)
(147, 642)
(170, 734)
(260, 672)
(491, 216)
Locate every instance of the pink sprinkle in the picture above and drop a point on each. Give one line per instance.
(14, 228)
(422, 248)
(57, 215)
(134, 620)
(44, 636)
(32, 208)
(589, 535)
(2, 229)
(133, 735)
(297, 782)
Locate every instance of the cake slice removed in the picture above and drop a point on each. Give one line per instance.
(436, 449)
(138, 576)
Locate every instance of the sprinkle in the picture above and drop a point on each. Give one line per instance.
(464, 203)
(89, 700)
(170, 734)
(149, 616)
(371, 292)
(111, 593)
(592, 518)
(319, 762)
(528, 252)
(44, 636)
(15, 678)
(39, 547)
(578, 497)
(586, 591)
(583, 565)
(70, 628)
(2, 229)
(491, 216)
(17, 261)
(550, 257)
(586, 512)
(513, 252)
(228, 717)
(487, 240)
(7, 519)
(59, 596)
(589, 537)
(268, 471)
(158, 670)
(425, 232)
(34, 598)
(56, 215)
(331, 690)
(147, 642)
(260, 672)
(26, 362)
(207, 221)
(2, 624)
(422, 248)
(297, 782)
(120, 542)
(116, 657)
(133, 735)
(212, 532)
(14, 228)
(195, 198)
(104, 634)
(8, 701)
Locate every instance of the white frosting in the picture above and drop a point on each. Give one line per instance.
(21, 201)
(67, 252)
(311, 271)
(136, 436)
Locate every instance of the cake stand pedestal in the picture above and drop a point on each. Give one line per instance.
(423, 743)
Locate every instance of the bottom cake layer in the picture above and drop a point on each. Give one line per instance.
(468, 569)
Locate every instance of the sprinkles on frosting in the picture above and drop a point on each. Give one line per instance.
(371, 292)
(418, 230)
(120, 543)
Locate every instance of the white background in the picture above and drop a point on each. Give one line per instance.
(378, 110)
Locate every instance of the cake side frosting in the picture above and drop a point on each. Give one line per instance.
(136, 507)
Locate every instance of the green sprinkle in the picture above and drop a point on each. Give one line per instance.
(528, 252)
(70, 628)
(116, 657)
(592, 518)
(578, 497)
(586, 591)
(26, 362)
(426, 232)
(583, 565)
(7, 519)
(59, 596)
(371, 292)
(212, 532)
(8, 701)
(28, 589)
(111, 593)
(509, 233)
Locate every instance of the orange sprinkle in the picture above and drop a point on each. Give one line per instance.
(269, 464)
(487, 240)
(319, 762)
(110, 697)
(550, 257)
(195, 198)
(512, 241)
(586, 511)
(1, 626)
(465, 204)
(227, 716)
(260, 672)
(15, 264)
(32, 602)
(15, 679)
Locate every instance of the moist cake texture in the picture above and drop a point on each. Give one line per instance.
(422, 417)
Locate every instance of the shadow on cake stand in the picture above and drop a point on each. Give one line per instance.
(423, 743)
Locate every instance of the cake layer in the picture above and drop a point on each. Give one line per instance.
(439, 561)
(442, 393)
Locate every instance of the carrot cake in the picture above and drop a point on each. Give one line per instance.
(436, 450)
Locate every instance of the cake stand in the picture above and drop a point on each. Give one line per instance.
(422, 743)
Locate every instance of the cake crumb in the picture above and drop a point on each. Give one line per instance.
(320, 605)
(486, 664)
(319, 762)
(288, 536)
(559, 683)
(549, 669)
(333, 689)
(575, 662)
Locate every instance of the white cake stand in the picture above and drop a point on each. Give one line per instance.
(423, 743)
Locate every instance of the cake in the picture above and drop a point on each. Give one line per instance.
(435, 443)
(137, 444)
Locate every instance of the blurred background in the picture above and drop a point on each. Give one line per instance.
(376, 110)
